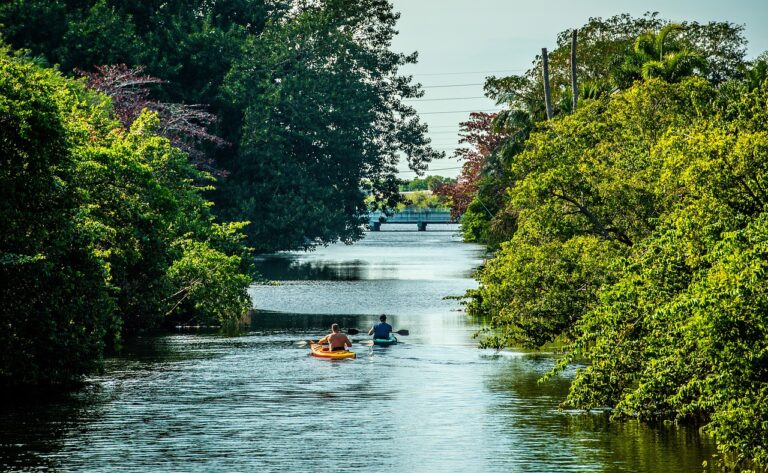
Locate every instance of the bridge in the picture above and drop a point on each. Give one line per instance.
(419, 217)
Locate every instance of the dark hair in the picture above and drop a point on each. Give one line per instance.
(383, 317)
(335, 327)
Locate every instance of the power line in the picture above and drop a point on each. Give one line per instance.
(458, 111)
(466, 72)
(449, 85)
(447, 98)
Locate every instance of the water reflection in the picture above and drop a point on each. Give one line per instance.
(590, 438)
(34, 426)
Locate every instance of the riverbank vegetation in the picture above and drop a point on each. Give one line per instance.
(105, 229)
(633, 229)
(149, 148)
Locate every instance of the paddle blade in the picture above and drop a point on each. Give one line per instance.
(366, 342)
(403, 332)
(353, 331)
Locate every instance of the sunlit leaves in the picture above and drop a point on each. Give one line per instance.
(102, 228)
(641, 241)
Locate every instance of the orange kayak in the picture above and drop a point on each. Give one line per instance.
(322, 352)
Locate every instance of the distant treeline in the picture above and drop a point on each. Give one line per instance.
(633, 230)
(428, 183)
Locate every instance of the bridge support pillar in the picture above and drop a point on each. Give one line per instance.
(375, 226)
(422, 226)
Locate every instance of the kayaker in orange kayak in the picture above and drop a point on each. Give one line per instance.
(336, 340)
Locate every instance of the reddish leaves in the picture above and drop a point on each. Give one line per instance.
(477, 133)
(185, 125)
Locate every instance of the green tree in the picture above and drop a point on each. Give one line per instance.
(105, 230)
(55, 304)
(658, 55)
(317, 130)
(641, 244)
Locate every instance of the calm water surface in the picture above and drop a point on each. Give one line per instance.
(205, 402)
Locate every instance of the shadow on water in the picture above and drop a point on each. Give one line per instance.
(283, 322)
(291, 267)
(35, 424)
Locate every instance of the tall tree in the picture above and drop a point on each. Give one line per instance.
(659, 55)
(324, 123)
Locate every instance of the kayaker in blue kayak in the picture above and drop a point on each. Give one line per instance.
(336, 340)
(381, 330)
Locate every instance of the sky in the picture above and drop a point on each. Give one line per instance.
(462, 41)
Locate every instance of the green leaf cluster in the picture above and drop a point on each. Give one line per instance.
(105, 230)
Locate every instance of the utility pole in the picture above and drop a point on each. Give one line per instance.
(574, 87)
(545, 67)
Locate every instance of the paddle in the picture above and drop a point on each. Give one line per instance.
(303, 343)
(354, 331)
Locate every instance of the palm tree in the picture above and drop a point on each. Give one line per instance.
(757, 75)
(657, 55)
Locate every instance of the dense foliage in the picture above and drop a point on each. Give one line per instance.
(323, 122)
(639, 236)
(307, 94)
(104, 230)
(295, 107)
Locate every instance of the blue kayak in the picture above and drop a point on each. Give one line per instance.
(383, 342)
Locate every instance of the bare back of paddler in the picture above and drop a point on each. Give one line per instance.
(336, 340)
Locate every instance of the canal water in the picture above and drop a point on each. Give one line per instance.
(259, 402)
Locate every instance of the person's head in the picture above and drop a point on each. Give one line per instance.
(335, 328)
(383, 318)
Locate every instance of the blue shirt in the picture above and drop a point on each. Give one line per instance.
(382, 330)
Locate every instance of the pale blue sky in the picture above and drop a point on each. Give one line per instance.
(496, 35)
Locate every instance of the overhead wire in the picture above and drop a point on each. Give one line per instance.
(445, 98)
(459, 111)
(450, 85)
(466, 72)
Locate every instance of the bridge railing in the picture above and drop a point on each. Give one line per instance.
(414, 216)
